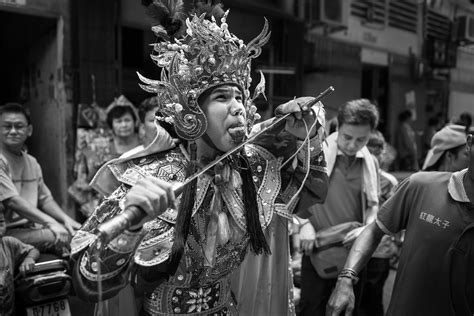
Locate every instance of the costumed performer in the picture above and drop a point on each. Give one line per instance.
(180, 257)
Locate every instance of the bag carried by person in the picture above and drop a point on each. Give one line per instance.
(329, 255)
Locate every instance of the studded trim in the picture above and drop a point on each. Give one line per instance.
(155, 250)
(270, 183)
(209, 299)
(282, 210)
(88, 268)
(126, 242)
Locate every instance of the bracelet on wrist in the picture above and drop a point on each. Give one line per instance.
(349, 274)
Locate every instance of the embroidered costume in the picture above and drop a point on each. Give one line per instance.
(221, 214)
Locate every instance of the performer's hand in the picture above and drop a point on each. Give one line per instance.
(152, 195)
(294, 123)
(307, 237)
(342, 298)
(352, 236)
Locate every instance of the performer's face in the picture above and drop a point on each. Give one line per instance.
(351, 138)
(226, 115)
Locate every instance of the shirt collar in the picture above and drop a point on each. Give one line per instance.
(456, 187)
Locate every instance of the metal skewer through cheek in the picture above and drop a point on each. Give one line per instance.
(180, 187)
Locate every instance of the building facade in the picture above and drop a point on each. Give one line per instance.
(402, 54)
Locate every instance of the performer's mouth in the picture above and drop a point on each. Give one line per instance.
(237, 133)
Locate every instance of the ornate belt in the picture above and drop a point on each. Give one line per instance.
(213, 298)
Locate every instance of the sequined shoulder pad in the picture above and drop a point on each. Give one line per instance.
(168, 166)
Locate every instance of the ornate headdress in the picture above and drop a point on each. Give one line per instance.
(205, 56)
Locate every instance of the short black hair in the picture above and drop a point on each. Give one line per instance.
(146, 106)
(465, 119)
(118, 112)
(358, 112)
(12, 107)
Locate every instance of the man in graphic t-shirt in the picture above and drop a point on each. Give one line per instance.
(435, 208)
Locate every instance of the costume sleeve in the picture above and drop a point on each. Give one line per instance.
(295, 153)
(112, 260)
(394, 213)
(316, 184)
(44, 194)
(18, 249)
(116, 259)
(7, 188)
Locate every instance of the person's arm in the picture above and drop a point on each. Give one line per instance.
(48, 205)
(307, 235)
(150, 194)
(29, 261)
(342, 298)
(371, 214)
(24, 208)
(52, 208)
(371, 207)
(23, 255)
(285, 139)
(353, 234)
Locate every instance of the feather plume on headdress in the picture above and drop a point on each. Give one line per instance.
(211, 8)
(167, 17)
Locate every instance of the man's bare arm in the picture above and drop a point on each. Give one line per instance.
(53, 209)
(342, 299)
(28, 211)
(364, 247)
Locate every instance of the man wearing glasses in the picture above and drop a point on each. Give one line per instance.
(27, 206)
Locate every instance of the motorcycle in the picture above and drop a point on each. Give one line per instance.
(44, 290)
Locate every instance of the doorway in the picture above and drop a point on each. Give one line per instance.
(375, 88)
(30, 58)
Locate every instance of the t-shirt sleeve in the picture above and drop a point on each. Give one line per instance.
(18, 249)
(394, 213)
(7, 187)
(44, 194)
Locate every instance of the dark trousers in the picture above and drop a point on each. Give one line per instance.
(316, 291)
(372, 296)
